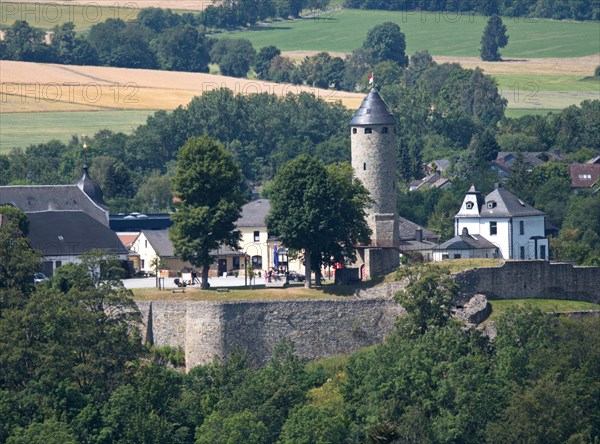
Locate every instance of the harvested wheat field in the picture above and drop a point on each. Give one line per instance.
(27, 87)
(185, 5)
(575, 66)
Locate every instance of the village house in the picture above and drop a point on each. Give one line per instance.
(465, 246)
(514, 227)
(504, 161)
(65, 221)
(415, 241)
(584, 175)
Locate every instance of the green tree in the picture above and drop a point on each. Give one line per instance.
(387, 42)
(427, 298)
(234, 56)
(494, 37)
(18, 262)
(264, 58)
(23, 42)
(208, 183)
(182, 48)
(316, 211)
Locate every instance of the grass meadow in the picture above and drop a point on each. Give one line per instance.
(440, 33)
(19, 130)
(49, 15)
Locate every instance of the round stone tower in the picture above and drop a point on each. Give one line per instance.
(374, 161)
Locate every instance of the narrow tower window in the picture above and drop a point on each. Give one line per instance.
(365, 166)
(368, 131)
(384, 130)
(354, 131)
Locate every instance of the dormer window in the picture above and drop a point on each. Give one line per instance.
(470, 205)
(368, 131)
(491, 205)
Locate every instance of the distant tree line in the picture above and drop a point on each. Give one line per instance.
(557, 9)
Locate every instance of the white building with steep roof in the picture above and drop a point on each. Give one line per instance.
(515, 227)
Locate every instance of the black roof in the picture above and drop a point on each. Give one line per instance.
(91, 188)
(136, 222)
(64, 233)
(373, 111)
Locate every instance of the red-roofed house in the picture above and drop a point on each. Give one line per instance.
(584, 175)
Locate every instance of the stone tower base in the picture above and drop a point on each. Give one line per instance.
(378, 261)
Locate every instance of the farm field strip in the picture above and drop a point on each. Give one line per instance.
(121, 88)
(20, 130)
(440, 33)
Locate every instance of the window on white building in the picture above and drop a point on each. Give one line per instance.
(257, 262)
(491, 205)
(521, 228)
(257, 236)
(368, 131)
(522, 253)
(493, 228)
(470, 205)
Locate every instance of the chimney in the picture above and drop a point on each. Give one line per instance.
(419, 235)
(465, 231)
(497, 186)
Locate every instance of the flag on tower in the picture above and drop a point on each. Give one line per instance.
(371, 79)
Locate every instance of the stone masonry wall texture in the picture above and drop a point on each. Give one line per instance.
(317, 328)
(531, 280)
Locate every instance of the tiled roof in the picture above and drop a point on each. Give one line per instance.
(584, 175)
(506, 204)
(127, 239)
(408, 230)
(36, 198)
(63, 233)
(466, 242)
(159, 239)
(254, 214)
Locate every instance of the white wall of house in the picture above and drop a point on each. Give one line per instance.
(508, 235)
(260, 250)
(147, 254)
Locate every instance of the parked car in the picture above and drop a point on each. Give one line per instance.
(296, 277)
(38, 278)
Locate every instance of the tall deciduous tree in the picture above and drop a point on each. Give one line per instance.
(387, 42)
(208, 182)
(494, 37)
(318, 210)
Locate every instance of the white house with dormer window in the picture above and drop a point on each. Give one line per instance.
(515, 227)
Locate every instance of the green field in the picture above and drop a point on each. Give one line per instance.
(48, 15)
(23, 129)
(545, 305)
(448, 35)
(540, 93)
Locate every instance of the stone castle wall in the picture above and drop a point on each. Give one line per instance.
(321, 328)
(318, 328)
(531, 280)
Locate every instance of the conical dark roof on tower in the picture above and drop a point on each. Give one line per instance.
(91, 188)
(373, 111)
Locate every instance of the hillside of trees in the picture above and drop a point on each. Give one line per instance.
(557, 9)
(73, 370)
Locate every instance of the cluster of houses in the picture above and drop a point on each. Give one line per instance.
(582, 175)
(67, 221)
